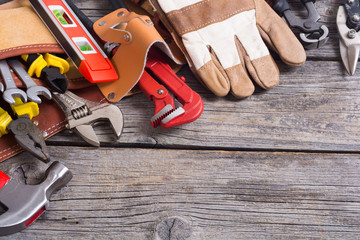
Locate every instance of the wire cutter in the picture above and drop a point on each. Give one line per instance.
(348, 24)
(310, 32)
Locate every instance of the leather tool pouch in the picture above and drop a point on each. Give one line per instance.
(136, 34)
(147, 8)
(22, 32)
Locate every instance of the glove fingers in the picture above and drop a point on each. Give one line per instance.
(278, 35)
(241, 85)
(258, 60)
(263, 71)
(206, 65)
(224, 70)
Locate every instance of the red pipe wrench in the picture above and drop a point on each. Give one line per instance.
(156, 68)
(166, 113)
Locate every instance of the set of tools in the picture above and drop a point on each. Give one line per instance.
(157, 70)
(80, 114)
(313, 34)
(175, 102)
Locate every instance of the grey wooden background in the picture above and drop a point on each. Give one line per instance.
(281, 164)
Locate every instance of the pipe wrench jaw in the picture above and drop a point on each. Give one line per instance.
(166, 114)
(185, 114)
(25, 203)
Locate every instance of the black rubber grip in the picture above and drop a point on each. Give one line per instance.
(280, 6)
(83, 18)
(31, 58)
(118, 4)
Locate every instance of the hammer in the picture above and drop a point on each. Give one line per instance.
(25, 203)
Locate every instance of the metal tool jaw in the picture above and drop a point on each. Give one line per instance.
(81, 114)
(349, 35)
(33, 90)
(311, 33)
(29, 137)
(166, 114)
(26, 133)
(12, 90)
(25, 203)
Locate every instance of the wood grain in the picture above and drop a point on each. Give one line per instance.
(314, 108)
(126, 193)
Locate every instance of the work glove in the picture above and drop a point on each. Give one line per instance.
(222, 41)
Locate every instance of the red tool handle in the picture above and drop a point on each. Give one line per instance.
(3, 179)
(161, 69)
(156, 92)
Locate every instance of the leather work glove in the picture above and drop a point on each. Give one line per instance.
(222, 41)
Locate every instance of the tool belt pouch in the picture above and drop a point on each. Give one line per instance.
(22, 32)
(147, 8)
(136, 34)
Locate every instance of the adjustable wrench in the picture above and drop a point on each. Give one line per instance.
(25, 203)
(11, 89)
(33, 90)
(81, 114)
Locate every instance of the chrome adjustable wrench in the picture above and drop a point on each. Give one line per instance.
(25, 203)
(82, 113)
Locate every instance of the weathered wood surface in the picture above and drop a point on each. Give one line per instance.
(315, 108)
(281, 164)
(125, 193)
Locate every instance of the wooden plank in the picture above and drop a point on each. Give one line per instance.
(315, 108)
(126, 193)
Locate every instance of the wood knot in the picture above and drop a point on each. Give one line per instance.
(173, 228)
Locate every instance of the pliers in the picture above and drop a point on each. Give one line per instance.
(348, 24)
(26, 133)
(310, 32)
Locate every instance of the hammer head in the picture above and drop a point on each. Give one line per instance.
(25, 203)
